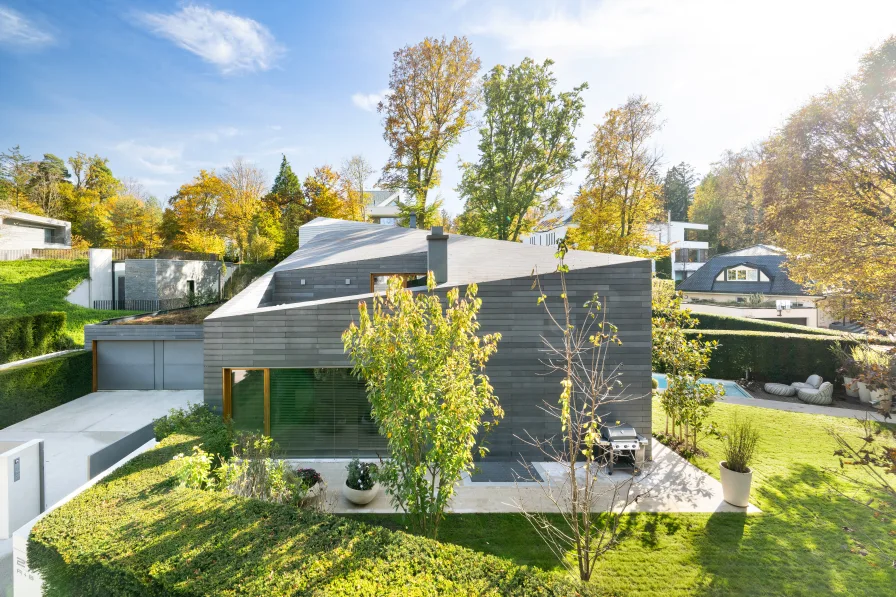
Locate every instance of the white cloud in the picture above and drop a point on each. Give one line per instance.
(369, 101)
(157, 159)
(17, 30)
(230, 42)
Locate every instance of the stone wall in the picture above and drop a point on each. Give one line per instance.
(159, 279)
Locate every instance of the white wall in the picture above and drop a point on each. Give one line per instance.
(80, 295)
(19, 499)
(811, 314)
(100, 275)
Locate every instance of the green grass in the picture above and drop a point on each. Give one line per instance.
(40, 285)
(797, 546)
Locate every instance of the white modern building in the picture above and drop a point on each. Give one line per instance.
(551, 229)
(22, 232)
(688, 253)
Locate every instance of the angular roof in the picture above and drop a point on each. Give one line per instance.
(765, 258)
(470, 259)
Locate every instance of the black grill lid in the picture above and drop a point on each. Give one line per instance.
(619, 432)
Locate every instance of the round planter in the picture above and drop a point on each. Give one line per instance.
(315, 491)
(735, 486)
(882, 397)
(360, 497)
(852, 389)
(864, 392)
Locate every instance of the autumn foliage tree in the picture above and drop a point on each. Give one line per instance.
(621, 194)
(432, 93)
(526, 148)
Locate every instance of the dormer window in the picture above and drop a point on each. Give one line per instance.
(742, 274)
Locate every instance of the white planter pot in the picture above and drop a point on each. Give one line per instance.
(852, 389)
(879, 396)
(360, 497)
(864, 392)
(315, 491)
(735, 486)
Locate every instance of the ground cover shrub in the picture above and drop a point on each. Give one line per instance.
(33, 388)
(26, 336)
(138, 532)
(198, 420)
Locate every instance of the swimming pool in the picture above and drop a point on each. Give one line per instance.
(730, 388)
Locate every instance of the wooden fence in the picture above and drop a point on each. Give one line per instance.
(118, 254)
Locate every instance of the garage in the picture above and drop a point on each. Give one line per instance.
(148, 364)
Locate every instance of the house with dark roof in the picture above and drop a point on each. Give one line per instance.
(752, 283)
(274, 359)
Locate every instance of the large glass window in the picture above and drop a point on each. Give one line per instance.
(379, 282)
(742, 274)
(321, 412)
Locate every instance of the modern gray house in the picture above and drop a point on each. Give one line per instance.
(21, 233)
(274, 359)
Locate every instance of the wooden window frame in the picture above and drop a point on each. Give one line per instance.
(405, 276)
(227, 379)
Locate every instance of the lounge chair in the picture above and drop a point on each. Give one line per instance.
(813, 383)
(823, 395)
(780, 389)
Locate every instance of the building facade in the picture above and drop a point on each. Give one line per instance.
(23, 232)
(274, 358)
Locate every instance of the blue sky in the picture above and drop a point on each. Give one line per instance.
(166, 88)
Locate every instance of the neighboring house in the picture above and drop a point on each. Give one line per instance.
(383, 205)
(21, 232)
(688, 253)
(274, 359)
(752, 283)
(147, 284)
(550, 229)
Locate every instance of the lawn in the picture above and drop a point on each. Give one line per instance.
(32, 286)
(798, 546)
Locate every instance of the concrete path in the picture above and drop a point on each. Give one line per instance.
(668, 484)
(79, 428)
(811, 409)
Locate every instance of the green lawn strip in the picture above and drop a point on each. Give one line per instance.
(31, 286)
(797, 546)
(137, 533)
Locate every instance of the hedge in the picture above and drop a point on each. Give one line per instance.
(30, 335)
(138, 533)
(31, 389)
(771, 356)
(727, 322)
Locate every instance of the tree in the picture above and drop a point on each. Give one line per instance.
(424, 368)
(526, 147)
(241, 201)
(79, 163)
(432, 93)
(829, 193)
(197, 211)
(678, 190)
(288, 202)
(100, 178)
(324, 193)
(621, 194)
(729, 200)
(16, 170)
(590, 505)
(355, 172)
(44, 185)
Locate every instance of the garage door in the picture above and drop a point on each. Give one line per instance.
(149, 364)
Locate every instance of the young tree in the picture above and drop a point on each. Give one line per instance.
(829, 193)
(432, 93)
(424, 368)
(355, 172)
(526, 147)
(678, 190)
(590, 505)
(621, 194)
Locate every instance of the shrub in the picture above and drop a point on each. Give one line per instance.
(32, 335)
(767, 356)
(31, 389)
(708, 321)
(138, 533)
(361, 475)
(740, 444)
(254, 473)
(197, 420)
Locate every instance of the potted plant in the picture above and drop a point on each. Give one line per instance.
(849, 368)
(735, 472)
(360, 485)
(863, 357)
(311, 481)
(878, 375)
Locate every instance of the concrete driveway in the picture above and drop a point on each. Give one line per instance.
(75, 430)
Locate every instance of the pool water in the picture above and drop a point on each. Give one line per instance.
(730, 388)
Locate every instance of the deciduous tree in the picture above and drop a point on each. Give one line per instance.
(355, 172)
(197, 211)
(621, 194)
(526, 147)
(678, 190)
(16, 170)
(432, 93)
(244, 187)
(324, 191)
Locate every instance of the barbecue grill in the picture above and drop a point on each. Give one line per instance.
(622, 444)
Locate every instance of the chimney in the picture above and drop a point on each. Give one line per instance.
(437, 254)
(413, 222)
